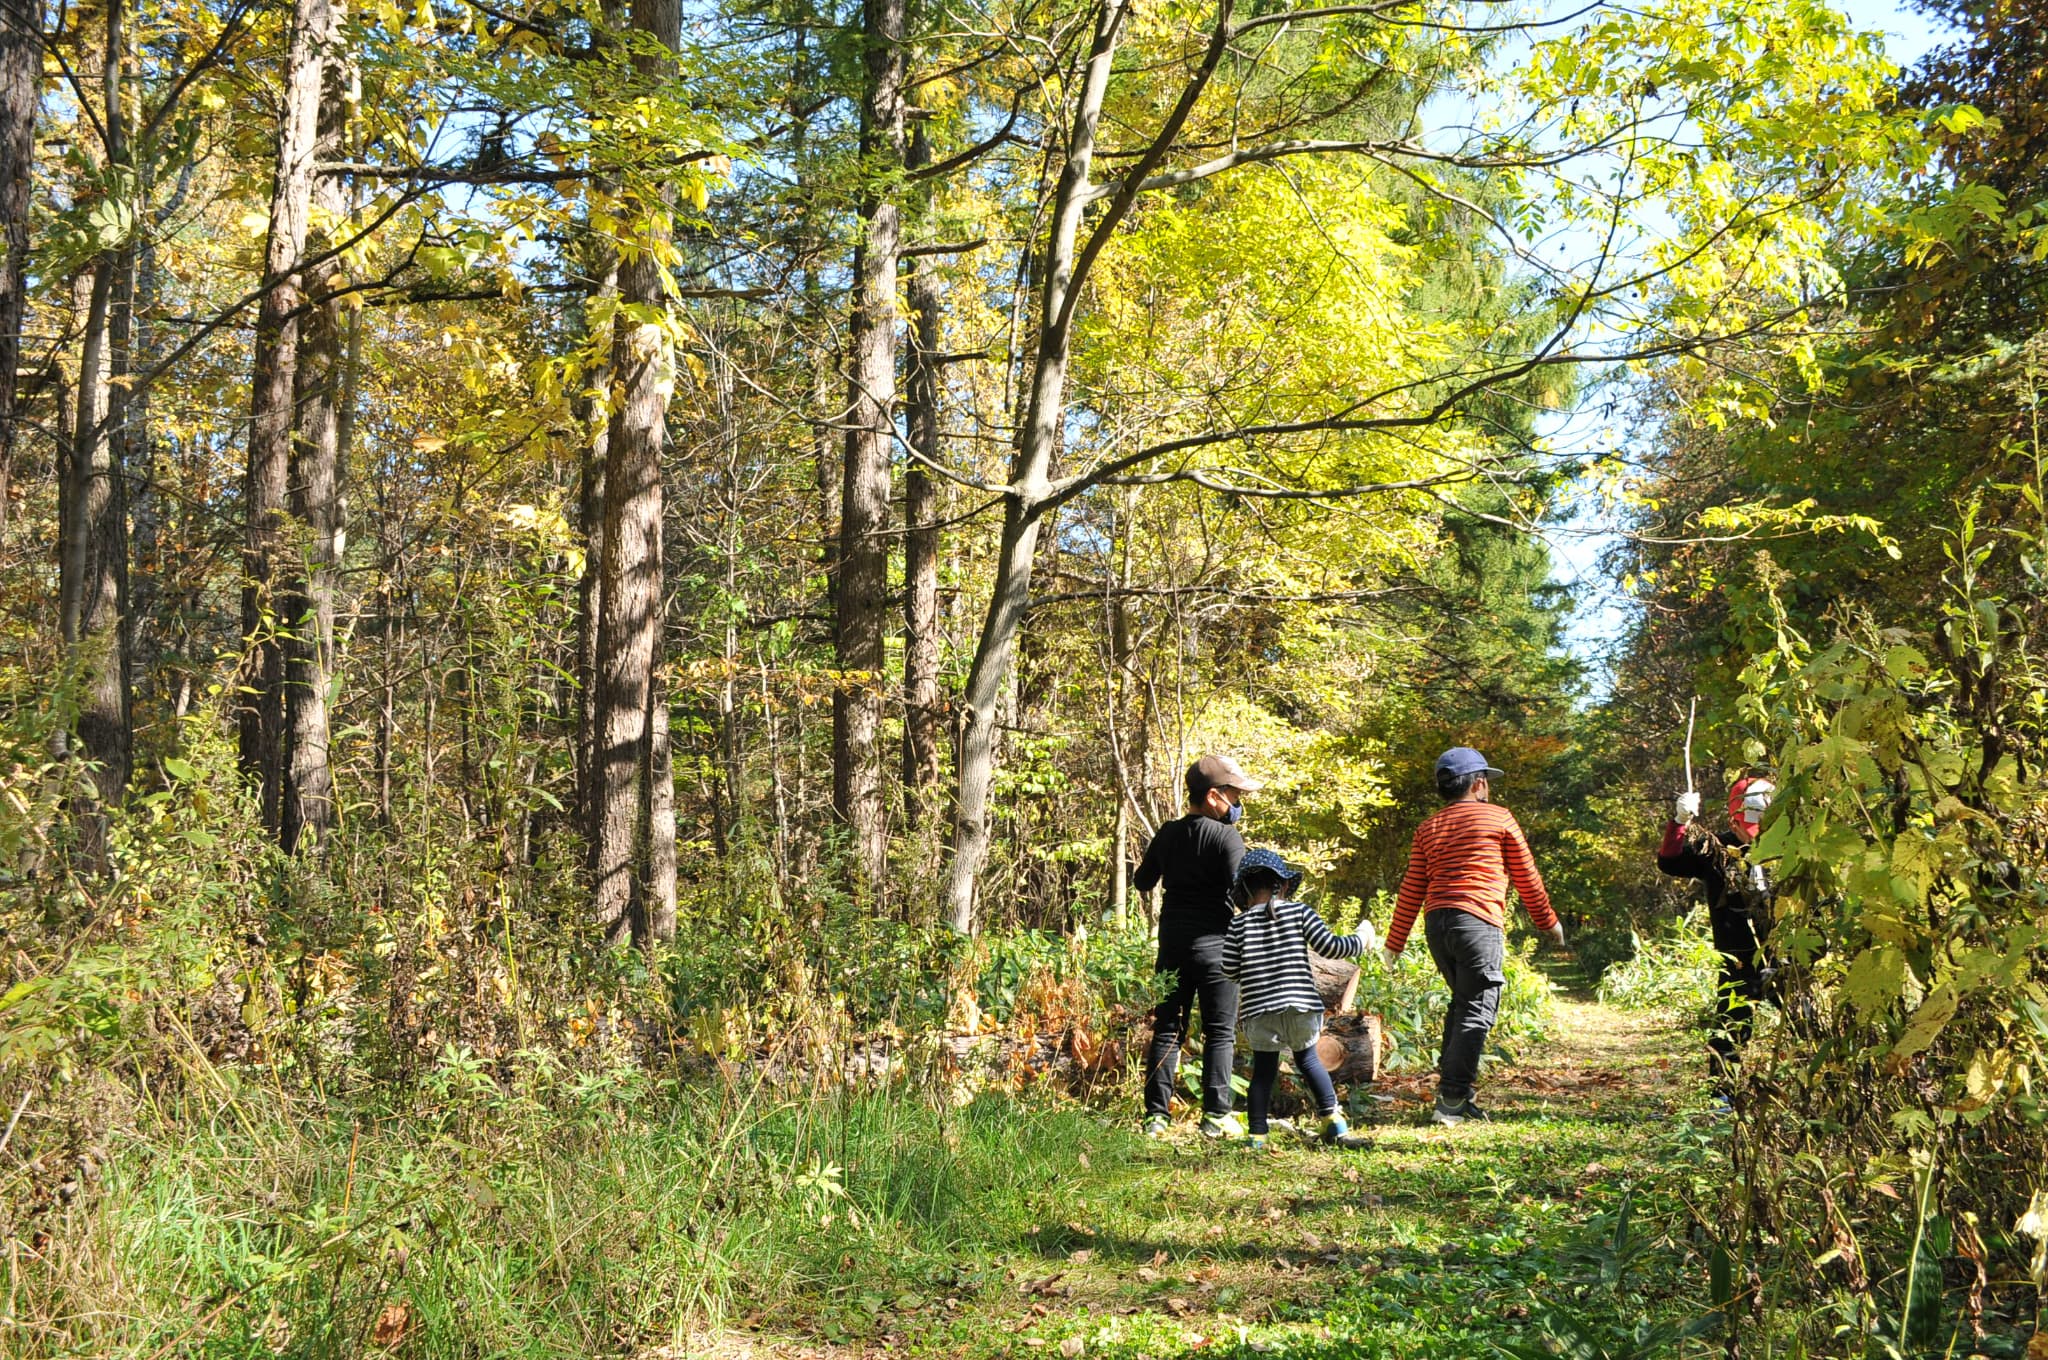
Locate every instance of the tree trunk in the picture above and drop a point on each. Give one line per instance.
(93, 589)
(630, 610)
(603, 283)
(1028, 492)
(21, 79)
(661, 819)
(273, 390)
(307, 813)
(923, 727)
(871, 418)
(599, 271)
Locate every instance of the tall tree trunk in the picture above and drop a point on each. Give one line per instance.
(1029, 490)
(273, 390)
(603, 283)
(319, 469)
(93, 591)
(598, 271)
(923, 726)
(871, 421)
(21, 79)
(630, 611)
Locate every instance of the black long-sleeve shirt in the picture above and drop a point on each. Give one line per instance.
(1196, 857)
(1736, 908)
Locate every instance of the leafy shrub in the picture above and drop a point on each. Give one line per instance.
(1675, 971)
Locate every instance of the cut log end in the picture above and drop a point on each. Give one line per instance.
(1350, 1049)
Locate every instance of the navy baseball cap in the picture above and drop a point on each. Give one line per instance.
(1257, 863)
(1463, 760)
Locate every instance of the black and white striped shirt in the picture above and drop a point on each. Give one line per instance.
(1267, 952)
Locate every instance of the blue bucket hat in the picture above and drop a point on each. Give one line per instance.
(1256, 862)
(1463, 760)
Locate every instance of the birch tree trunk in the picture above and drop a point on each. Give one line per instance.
(273, 389)
(1029, 490)
(923, 728)
(21, 80)
(630, 611)
(864, 497)
(307, 813)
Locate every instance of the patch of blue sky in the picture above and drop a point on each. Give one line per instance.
(1585, 530)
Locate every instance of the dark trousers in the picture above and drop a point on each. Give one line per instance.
(1199, 976)
(1472, 956)
(1266, 1073)
(1740, 987)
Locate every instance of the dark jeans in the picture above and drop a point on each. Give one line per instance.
(1735, 997)
(1199, 966)
(1266, 1072)
(1471, 954)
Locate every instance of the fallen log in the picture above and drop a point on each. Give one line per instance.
(1337, 980)
(1350, 1048)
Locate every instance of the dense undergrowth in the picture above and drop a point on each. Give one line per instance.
(262, 1110)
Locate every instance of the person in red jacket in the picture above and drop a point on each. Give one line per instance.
(1462, 862)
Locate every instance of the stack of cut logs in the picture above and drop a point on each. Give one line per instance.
(1350, 1046)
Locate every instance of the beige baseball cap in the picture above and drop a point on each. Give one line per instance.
(1219, 772)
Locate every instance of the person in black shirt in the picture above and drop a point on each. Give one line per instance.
(1196, 857)
(1738, 909)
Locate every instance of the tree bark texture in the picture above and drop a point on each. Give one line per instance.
(307, 813)
(598, 271)
(1029, 490)
(923, 723)
(870, 437)
(603, 283)
(93, 589)
(630, 610)
(273, 390)
(21, 79)
(661, 818)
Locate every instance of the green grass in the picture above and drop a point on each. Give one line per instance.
(631, 1221)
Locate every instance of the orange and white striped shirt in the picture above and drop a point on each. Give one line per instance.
(1463, 858)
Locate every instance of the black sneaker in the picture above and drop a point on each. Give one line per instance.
(1449, 1114)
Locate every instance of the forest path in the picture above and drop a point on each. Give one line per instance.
(1433, 1242)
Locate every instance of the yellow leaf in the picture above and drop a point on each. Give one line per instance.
(428, 443)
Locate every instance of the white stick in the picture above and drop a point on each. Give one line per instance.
(1690, 715)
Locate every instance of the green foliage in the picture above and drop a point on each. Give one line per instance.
(1671, 971)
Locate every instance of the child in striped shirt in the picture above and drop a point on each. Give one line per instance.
(1279, 1008)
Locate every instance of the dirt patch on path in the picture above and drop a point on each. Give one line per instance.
(1597, 1059)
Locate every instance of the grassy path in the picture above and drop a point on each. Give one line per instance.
(1435, 1242)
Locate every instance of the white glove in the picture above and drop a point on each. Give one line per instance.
(1686, 808)
(1391, 958)
(1556, 933)
(1367, 937)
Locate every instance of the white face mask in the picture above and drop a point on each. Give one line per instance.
(1755, 799)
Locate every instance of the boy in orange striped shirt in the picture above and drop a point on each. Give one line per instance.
(1460, 865)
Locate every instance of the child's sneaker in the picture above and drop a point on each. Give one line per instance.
(1338, 1133)
(1157, 1126)
(1222, 1126)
